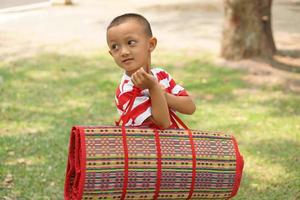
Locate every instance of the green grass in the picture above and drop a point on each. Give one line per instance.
(43, 96)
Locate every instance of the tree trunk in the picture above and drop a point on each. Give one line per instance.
(60, 2)
(247, 30)
(68, 2)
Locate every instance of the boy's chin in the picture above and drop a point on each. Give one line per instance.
(131, 70)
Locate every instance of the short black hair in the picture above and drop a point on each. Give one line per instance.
(128, 16)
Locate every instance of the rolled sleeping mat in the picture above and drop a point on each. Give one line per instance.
(114, 162)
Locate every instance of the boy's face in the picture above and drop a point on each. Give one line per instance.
(130, 46)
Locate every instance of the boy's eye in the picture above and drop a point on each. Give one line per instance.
(131, 42)
(114, 46)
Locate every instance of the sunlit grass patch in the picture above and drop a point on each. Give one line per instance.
(42, 97)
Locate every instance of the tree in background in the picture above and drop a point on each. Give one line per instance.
(65, 2)
(68, 2)
(247, 30)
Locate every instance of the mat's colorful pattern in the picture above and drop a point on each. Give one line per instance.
(101, 174)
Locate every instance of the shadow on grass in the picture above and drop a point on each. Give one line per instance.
(254, 189)
(233, 128)
(283, 153)
(55, 92)
(215, 84)
(295, 53)
(284, 66)
(286, 60)
(283, 107)
(37, 165)
(60, 91)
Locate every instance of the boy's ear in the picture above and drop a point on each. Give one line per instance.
(110, 52)
(153, 42)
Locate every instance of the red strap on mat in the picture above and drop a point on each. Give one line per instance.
(76, 169)
(158, 150)
(125, 147)
(173, 115)
(239, 168)
(194, 164)
(124, 118)
(126, 114)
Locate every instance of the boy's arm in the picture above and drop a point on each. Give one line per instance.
(160, 110)
(177, 99)
(182, 104)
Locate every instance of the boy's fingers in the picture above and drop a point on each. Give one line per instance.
(138, 77)
(142, 71)
(138, 73)
(135, 83)
(162, 86)
(134, 78)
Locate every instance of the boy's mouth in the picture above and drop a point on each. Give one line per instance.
(127, 60)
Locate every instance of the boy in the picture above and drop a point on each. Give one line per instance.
(130, 42)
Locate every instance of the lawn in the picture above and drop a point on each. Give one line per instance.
(43, 96)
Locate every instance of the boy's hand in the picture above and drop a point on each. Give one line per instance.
(143, 80)
(163, 89)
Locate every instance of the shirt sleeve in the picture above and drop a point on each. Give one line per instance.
(141, 108)
(170, 85)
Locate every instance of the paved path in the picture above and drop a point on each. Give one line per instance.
(193, 26)
(13, 3)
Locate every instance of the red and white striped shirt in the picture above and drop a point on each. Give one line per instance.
(141, 108)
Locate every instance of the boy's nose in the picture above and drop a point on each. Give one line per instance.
(124, 52)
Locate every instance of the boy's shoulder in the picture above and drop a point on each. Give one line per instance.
(157, 70)
(126, 85)
(160, 73)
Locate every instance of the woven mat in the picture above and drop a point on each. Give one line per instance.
(103, 163)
